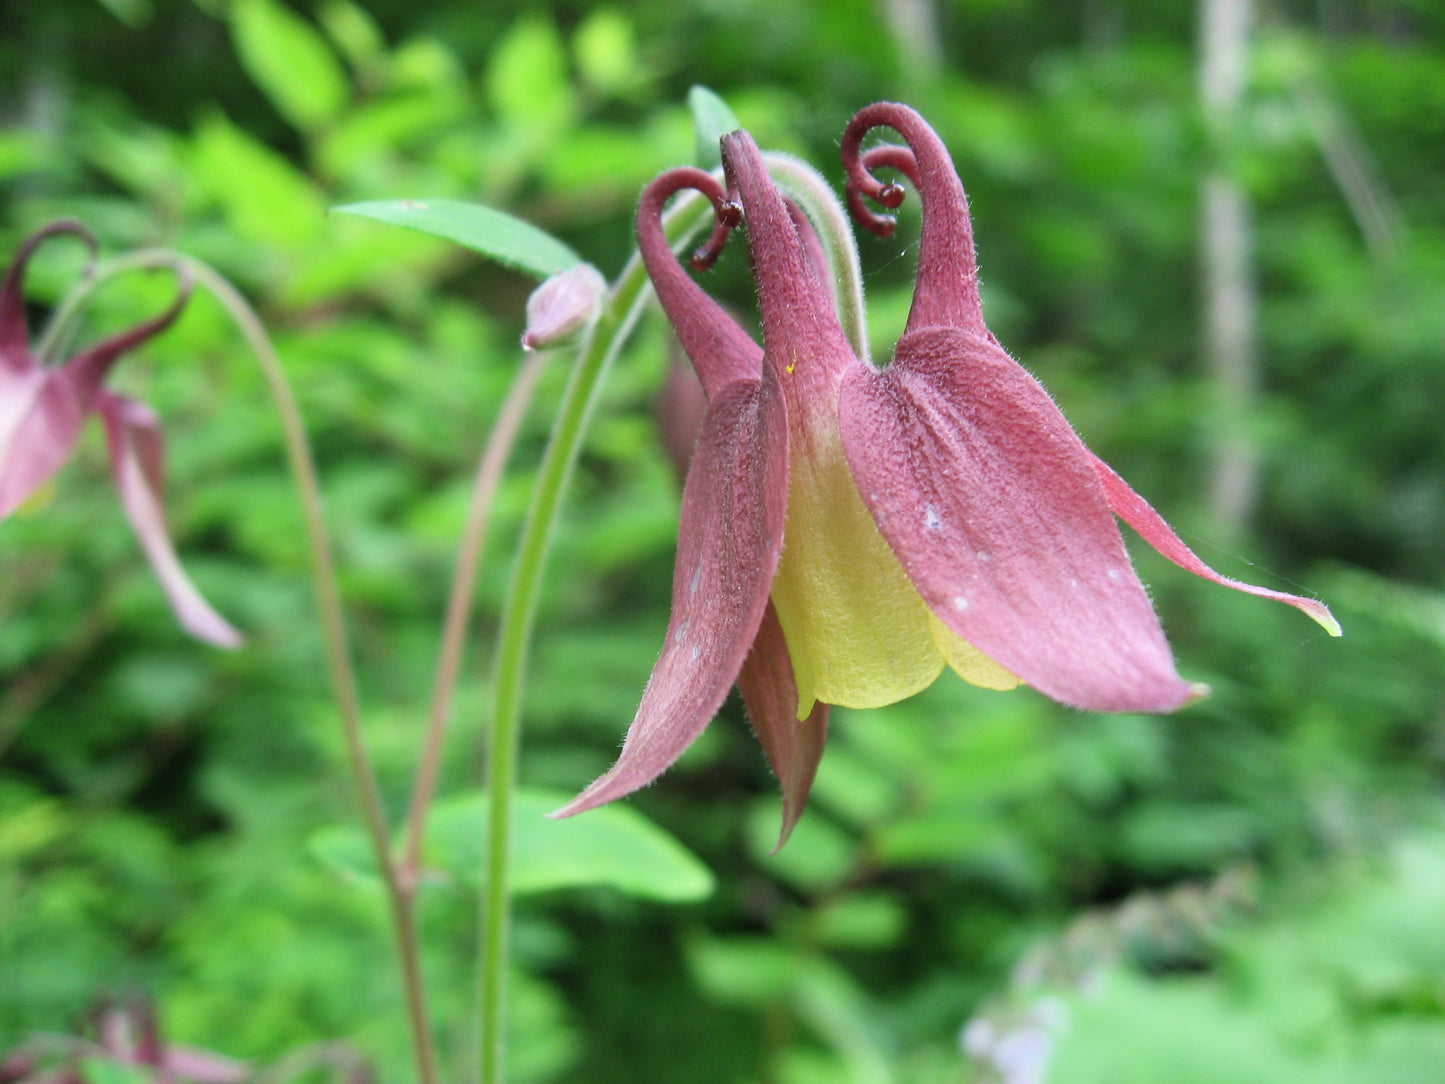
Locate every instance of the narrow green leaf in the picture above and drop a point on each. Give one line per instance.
(482, 229)
(355, 33)
(527, 81)
(265, 197)
(606, 51)
(290, 61)
(712, 119)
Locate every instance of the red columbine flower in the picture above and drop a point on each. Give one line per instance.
(860, 528)
(42, 412)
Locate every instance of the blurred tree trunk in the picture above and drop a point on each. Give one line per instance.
(914, 26)
(1229, 303)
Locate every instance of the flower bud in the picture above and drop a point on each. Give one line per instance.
(563, 307)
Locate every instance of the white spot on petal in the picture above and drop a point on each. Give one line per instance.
(983, 556)
(1114, 573)
(696, 579)
(960, 603)
(932, 520)
(681, 634)
(696, 651)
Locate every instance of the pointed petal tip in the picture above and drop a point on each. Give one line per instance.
(1198, 691)
(215, 631)
(571, 809)
(193, 613)
(1320, 613)
(606, 788)
(1152, 527)
(137, 452)
(791, 816)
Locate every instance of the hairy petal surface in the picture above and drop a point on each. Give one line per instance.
(857, 630)
(947, 290)
(793, 746)
(992, 503)
(721, 351)
(137, 461)
(733, 506)
(967, 661)
(1139, 514)
(801, 333)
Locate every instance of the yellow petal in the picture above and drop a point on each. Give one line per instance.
(968, 662)
(857, 630)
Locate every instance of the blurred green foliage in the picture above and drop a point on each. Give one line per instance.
(159, 801)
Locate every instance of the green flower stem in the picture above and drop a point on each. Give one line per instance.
(459, 603)
(519, 616)
(338, 655)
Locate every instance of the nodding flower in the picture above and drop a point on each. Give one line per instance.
(43, 410)
(848, 531)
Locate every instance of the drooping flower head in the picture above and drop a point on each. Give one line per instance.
(861, 528)
(43, 410)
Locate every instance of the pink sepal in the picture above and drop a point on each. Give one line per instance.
(793, 746)
(991, 502)
(137, 463)
(1139, 514)
(728, 544)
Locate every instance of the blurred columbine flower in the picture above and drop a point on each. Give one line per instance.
(44, 408)
(859, 528)
(127, 1046)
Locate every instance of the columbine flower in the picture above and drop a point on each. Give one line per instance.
(42, 412)
(127, 1045)
(860, 528)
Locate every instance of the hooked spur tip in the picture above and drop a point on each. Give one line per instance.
(865, 216)
(891, 195)
(727, 214)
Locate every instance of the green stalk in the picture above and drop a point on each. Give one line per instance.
(459, 604)
(338, 657)
(519, 613)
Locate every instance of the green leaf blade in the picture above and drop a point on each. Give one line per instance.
(712, 119)
(290, 61)
(613, 847)
(496, 234)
